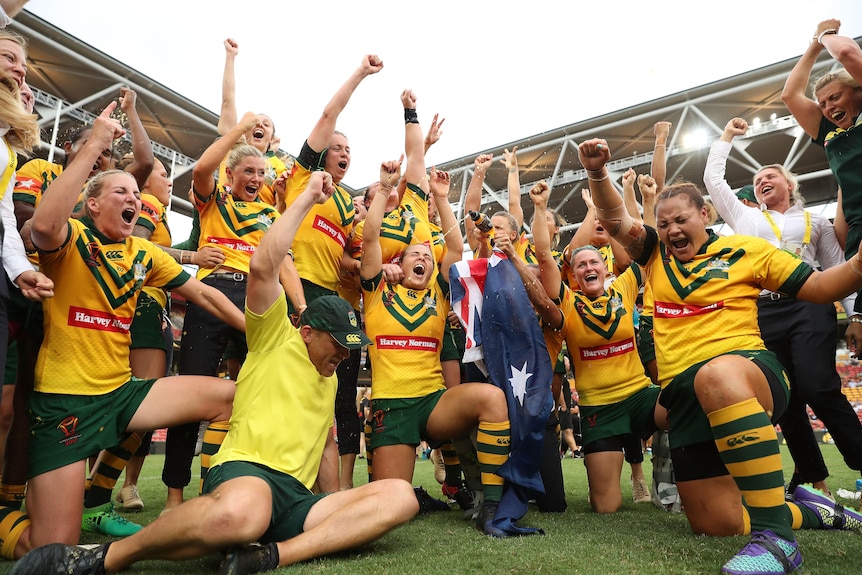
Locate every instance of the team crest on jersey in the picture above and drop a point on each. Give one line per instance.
(430, 303)
(140, 274)
(388, 297)
(93, 257)
(265, 220)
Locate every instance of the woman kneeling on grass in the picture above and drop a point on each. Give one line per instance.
(723, 390)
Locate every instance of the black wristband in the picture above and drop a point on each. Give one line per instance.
(410, 116)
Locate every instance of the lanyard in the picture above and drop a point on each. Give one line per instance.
(805, 240)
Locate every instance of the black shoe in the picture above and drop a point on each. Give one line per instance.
(485, 518)
(460, 495)
(254, 558)
(62, 560)
(790, 488)
(427, 504)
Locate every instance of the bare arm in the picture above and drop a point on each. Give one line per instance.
(841, 227)
(202, 173)
(142, 148)
(451, 230)
(473, 197)
(513, 186)
(550, 273)
(228, 115)
(12, 7)
(582, 235)
(266, 263)
(372, 255)
(435, 132)
(648, 187)
(322, 132)
(844, 49)
(659, 155)
(629, 193)
(414, 145)
(212, 301)
(50, 221)
(610, 208)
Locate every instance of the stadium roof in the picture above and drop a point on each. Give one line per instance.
(78, 80)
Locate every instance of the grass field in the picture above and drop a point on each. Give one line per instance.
(639, 539)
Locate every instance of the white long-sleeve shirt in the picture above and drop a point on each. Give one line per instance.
(14, 256)
(823, 248)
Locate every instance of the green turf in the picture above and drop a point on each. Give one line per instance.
(638, 539)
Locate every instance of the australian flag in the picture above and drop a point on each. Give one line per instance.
(490, 300)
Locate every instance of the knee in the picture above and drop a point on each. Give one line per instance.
(239, 520)
(398, 499)
(605, 504)
(493, 400)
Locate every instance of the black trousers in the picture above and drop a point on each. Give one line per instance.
(803, 335)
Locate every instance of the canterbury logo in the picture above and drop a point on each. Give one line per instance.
(353, 338)
(740, 439)
(114, 255)
(502, 441)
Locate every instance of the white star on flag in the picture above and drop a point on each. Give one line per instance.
(519, 382)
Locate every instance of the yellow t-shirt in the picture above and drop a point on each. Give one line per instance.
(708, 306)
(233, 226)
(154, 217)
(600, 336)
(86, 345)
(406, 329)
(283, 407)
(322, 236)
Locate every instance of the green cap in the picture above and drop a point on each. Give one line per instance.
(746, 193)
(332, 314)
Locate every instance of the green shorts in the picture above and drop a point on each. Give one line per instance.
(68, 428)
(401, 421)
(689, 424)
(646, 343)
(147, 325)
(454, 341)
(291, 500)
(312, 291)
(633, 415)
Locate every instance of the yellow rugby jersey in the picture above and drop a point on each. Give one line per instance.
(708, 306)
(154, 217)
(322, 236)
(600, 336)
(86, 345)
(32, 179)
(274, 168)
(406, 330)
(233, 226)
(404, 226)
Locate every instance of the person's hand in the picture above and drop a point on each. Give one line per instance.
(510, 159)
(231, 47)
(661, 130)
(279, 187)
(105, 129)
(647, 186)
(504, 243)
(454, 320)
(392, 273)
(735, 127)
(128, 98)
(320, 187)
(248, 121)
(439, 183)
(539, 194)
(853, 337)
(408, 99)
(831, 24)
(35, 286)
(208, 257)
(390, 173)
(371, 64)
(587, 196)
(594, 154)
(483, 162)
(629, 178)
(434, 132)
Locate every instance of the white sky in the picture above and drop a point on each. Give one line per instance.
(462, 59)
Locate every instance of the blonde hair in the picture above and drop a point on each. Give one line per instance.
(239, 152)
(97, 183)
(840, 75)
(23, 134)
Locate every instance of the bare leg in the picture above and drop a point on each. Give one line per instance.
(56, 519)
(603, 474)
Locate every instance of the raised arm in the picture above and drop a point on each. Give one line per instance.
(268, 259)
(804, 109)
(629, 193)
(473, 197)
(372, 255)
(202, 173)
(414, 144)
(842, 48)
(582, 235)
(721, 195)
(548, 269)
(658, 167)
(435, 132)
(451, 230)
(228, 115)
(649, 191)
(322, 132)
(51, 218)
(142, 148)
(513, 186)
(610, 208)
